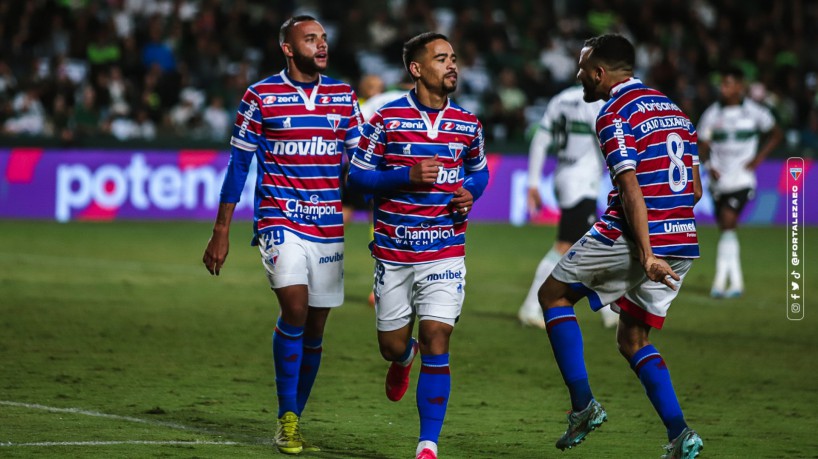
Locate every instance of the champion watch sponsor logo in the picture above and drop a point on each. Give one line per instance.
(423, 235)
(656, 106)
(308, 210)
(315, 146)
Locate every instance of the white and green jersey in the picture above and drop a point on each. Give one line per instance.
(733, 132)
(568, 128)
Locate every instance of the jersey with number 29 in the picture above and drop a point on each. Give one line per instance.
(640, 129)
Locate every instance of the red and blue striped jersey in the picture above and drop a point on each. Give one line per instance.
(415, 223)
(641, 129)
(298, 135)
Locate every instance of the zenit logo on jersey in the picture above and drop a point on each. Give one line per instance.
(342, 99)
(399, 124)
(459, 127)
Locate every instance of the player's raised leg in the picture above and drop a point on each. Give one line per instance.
(557, 300)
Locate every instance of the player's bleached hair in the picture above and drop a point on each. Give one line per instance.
(612, 50)
(417, 45)
(284, 32)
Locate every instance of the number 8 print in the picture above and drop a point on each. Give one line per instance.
(676, 151)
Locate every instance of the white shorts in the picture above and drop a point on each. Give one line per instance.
(611, 275)
(433, 291)
(291, 260)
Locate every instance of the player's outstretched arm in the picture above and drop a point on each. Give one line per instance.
(633, 204)
(219, 244)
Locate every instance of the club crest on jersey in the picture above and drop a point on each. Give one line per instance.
(795, 172)
(334, 120)
(455, 149)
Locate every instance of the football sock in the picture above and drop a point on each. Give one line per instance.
(287, 353)
(408, 354)
(649, 366)
(531, 304)
(566, 342)
(434, 386)
(310, 361)
(723, 260)
(736, 278)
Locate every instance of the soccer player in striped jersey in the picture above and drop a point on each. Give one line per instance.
(568, 128)
(297, 124)
(729, 132)
(422, 156)
(639, 252)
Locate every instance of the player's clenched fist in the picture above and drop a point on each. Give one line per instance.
(425, 171)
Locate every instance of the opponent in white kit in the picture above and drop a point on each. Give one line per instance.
(567, 128)
(729, 132)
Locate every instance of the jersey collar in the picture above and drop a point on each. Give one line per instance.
(632, 81)
(309, 101)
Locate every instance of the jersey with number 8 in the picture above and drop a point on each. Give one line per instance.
(641, 129)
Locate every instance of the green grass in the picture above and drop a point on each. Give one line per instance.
(122, 319)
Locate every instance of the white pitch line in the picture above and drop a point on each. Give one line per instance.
(117, 417)
(123, 442)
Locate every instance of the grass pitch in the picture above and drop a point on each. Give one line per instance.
(116, 342)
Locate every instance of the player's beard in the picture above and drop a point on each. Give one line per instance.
(447, 87)
(589, 92)
(307, 64)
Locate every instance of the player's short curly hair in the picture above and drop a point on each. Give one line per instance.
(612, 50)
(284, 31)
(417, 44)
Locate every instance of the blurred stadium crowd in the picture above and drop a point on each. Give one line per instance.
(77, 70)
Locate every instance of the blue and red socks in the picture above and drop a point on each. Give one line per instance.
(310, 361)
(649, 366)
(566, 342)
(287, 356)
(434, 386)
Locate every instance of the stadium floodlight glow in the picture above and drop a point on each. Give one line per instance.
(795, 239)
